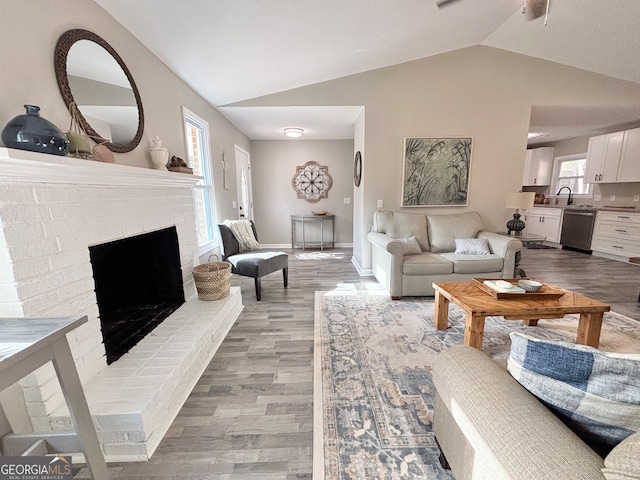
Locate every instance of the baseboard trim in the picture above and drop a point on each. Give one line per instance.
(359, 269)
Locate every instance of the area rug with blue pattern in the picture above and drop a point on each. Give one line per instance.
(373, 393)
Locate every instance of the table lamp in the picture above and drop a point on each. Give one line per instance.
(518, 201)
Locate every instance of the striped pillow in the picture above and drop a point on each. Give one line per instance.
(594, 393)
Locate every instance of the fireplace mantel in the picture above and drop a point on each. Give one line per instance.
(32, 167)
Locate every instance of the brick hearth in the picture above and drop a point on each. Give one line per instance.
(51, 210)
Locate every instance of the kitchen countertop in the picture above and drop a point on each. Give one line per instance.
(603, 208)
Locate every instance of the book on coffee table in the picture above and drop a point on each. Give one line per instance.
(501, 286)
(546, 292)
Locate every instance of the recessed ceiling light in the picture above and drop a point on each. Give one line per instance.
(293, 132)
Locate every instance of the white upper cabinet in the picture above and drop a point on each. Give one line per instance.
(629, 169)
(603, 158)
(538, 165)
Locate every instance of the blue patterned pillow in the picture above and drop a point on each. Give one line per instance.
(594, 393)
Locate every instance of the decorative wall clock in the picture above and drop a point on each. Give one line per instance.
(312, 182)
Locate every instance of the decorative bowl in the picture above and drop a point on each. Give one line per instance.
(321, 212)
(530, 285)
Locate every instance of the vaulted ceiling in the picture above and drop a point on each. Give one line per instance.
(229, 51)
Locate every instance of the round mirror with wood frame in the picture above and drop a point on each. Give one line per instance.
(63, 47)
(357, 169)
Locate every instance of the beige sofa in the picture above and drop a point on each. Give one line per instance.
(413, 275)
(490, 427)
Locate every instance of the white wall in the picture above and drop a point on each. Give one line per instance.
(359, 223)
(273, 165)
(481, 92)
(30, 30)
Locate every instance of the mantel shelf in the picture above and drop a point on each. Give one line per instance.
(31, 167)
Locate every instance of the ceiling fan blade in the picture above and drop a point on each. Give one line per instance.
(535, 8)
(442, 3)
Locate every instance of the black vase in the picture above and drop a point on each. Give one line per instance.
(34, 133)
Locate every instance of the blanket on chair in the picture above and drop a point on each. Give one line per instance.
(243, 232)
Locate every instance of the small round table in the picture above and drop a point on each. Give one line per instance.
(306, 218)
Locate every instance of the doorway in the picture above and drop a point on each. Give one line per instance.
(243, 177)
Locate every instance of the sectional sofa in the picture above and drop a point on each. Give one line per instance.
(488, 426)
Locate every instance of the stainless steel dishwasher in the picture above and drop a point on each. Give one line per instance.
(577, 229)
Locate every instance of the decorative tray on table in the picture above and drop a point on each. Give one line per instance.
(489, 286)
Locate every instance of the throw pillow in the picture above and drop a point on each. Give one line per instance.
(596, 394)
(623, 463)
(402, 225)
(444, 229)
(410, 246)
(472, 246)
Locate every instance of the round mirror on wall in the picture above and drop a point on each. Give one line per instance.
(92, 76)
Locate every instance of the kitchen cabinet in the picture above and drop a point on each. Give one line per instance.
(629, 168)
(538, 165)
(603, 158)
(545, 222)
(617, 233)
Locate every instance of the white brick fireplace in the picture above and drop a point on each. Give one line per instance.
(51, 210)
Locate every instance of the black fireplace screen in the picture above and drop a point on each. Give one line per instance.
(138, 284)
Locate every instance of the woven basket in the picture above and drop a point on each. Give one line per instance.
(213, 280)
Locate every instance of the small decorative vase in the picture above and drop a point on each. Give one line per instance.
(34, 133)
(159, 154)
(79, 144)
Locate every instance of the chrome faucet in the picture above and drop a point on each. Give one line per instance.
(569, 199)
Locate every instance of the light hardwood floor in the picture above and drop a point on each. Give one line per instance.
(250, 415)
(611, 282)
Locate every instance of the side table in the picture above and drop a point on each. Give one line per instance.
(306, 218)
(526, 239)
(28, 343)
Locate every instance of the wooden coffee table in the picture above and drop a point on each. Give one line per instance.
(478, 304)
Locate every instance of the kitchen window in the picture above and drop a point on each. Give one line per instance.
(197, 137)
(569, 172)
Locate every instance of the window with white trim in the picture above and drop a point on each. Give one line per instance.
(197, 137)
(569, 172)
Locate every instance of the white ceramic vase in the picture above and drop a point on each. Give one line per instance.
(159, 154)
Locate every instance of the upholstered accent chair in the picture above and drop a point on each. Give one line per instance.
(254, 263)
